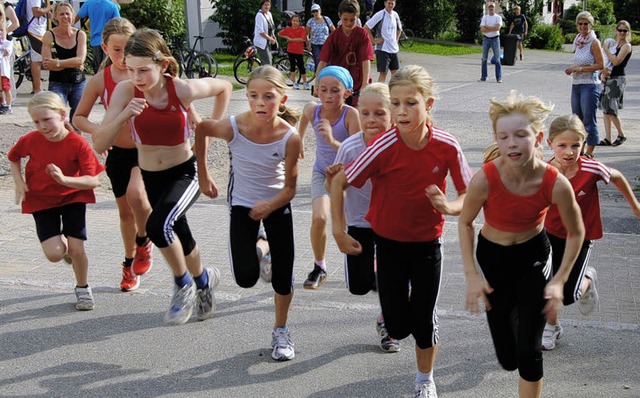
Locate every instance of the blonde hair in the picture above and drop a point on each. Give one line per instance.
(531, 107)
(379, 89)
(274, 76)
(567, 122)
(585, 15)
(417, 77)
(57, 6)
(626, 25)
(148, 43)
(115, 26)
(48, 100)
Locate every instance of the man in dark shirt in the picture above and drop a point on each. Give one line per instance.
(520, 27)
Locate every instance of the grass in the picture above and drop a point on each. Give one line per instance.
(441, 49)
(225, 63)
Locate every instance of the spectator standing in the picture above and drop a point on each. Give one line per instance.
(99, 12)
(490, 28)
(318, 29)
(6, 57)
(37, 17)
(296, 39)
(264, 33)
(520, 27)
(387, 26)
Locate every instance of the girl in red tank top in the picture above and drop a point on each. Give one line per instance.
(513, 249)
(167, 161)
(122, 158)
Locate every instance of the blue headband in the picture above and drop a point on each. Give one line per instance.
(339, 73)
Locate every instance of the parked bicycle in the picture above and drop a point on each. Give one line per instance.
(406, 38)
(22, 63)
(248, 60)
(192, 62)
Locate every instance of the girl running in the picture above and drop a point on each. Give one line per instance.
(408, 167)
(333, 121)
(155, 103)
(59, 178)
(375, 118)
(264, 150)
(122, 158)
(567, 136)
(515, 191)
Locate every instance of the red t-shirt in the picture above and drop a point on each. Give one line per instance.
(73, 155)
(509, 212)
(399, 208)
(295, 47)
(585, 186)
(348, 52)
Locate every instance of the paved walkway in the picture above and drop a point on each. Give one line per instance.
(121, 348)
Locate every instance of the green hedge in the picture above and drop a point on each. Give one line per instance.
(546, 37)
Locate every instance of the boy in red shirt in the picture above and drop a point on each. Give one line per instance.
(296, 37)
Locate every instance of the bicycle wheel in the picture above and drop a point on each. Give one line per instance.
(243, 69)
(284, 66)
(201, 66)
(214, 65)
(18, 71)
(406, 38)
(310, 66)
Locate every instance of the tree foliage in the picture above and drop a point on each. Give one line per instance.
(468, 14)
(602, 11)
(167, 16)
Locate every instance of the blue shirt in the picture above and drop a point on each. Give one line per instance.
(99, 12)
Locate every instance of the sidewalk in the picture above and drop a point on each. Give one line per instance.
(122, 348)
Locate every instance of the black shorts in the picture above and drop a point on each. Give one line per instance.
(572, 285)
(359, 270)
(119, 163)
(386, 61)
(74, 223)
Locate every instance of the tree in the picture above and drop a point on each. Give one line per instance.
(468, 13)
(602, 11)
(427, 18)
(153, 14)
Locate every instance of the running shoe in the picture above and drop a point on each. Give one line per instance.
(387, 344)
(589, 300)
(206, 298)
(315, 278)
(181, 305)
(282, 345)
(130, 281)
(306, 86)
(84, 299)
(296, 86)
(551, 334)
(265, 268)
(143, 260)
(426, 389)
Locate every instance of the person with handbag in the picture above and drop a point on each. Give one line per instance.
(264, 33)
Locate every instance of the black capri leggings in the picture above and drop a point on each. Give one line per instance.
(296, 60)
(243, 232)
(410, 264)
(572, 285)
(171, 193)
(518, 275)
(359, 270)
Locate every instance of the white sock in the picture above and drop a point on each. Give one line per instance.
(424, 377)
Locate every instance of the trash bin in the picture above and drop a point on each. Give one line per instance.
(510, 44)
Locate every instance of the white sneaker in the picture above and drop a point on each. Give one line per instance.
(265, 268)
(426, 390)
(306, 86)
(551, 334)
(184, 299)
(282, 345)
(84, 299)
(589, 300)
(296, 86)
(206, 298)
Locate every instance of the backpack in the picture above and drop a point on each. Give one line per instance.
(21, 13)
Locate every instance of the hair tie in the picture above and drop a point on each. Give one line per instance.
(156, 56)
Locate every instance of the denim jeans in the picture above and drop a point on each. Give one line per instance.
(584, 103)
(315, 50)
(70, 93)
(494, 44)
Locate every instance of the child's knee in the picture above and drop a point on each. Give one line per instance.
(319, 220)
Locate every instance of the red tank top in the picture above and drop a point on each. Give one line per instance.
(164, 127)
(509, 212)
(109, 86)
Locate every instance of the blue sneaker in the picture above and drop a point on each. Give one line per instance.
(206, 299)
(181, 305)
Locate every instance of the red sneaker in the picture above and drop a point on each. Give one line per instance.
(143, 260)
(130, 281)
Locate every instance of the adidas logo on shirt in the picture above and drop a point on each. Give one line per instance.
(275, 154)
(435, 169)
(582, 193)
(172, 109)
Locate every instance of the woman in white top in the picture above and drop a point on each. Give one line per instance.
(264, 33)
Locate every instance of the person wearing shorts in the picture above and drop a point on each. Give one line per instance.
(385, 28)
(37, 17)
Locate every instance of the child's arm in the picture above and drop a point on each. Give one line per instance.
(122, 107)
(345, 242)
(262, 209)
(305, 119)
(195, 89)
(353, 122)
(569, 210)
(209, 128)
(79, 182)
(329, 173)
(477, 286)
(366, 69)
(439, 201)
(91, 93)
(625, 189)
(21, 187)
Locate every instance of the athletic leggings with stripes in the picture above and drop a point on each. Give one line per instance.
(171, 193)
(518, 275)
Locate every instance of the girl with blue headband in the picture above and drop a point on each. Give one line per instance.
(333, 121)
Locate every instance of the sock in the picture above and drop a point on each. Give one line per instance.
(82, 287)
(128, 262)
(141, 240)
(183, 280)
(202, 280)
(424, 377)
(322, 264)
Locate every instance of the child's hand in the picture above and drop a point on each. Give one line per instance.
(332, 170)
(207, 186)
(135, 107)
(325, 131)
(301, 155)
(346, 243)
(260, 211)
(438, 199)
(55, 173)
(477, 288)
(553, 295)
(21, 191)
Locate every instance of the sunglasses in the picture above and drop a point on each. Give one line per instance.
(314, 11)
(583, 23)
(622, 30)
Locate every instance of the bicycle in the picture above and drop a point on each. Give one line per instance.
(248, 60)
(22, 63)
(191, 62)
(406, 38)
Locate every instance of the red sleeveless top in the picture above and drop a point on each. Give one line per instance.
(109, 86)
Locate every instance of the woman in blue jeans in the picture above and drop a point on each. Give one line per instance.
(64, 49)
(585, 91)
(318, 29)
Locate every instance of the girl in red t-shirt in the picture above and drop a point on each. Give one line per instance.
(566, 137)
(297, 40)
(60, 175)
